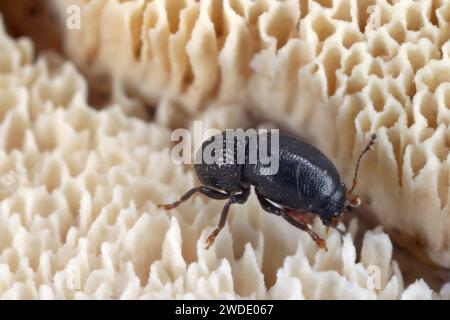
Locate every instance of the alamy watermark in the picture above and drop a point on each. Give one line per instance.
(232, 146)
(73, 277)
(73, 20)
(374, 278)
(374, 20)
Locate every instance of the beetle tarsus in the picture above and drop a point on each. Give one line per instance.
(212, 237)
(321, 243)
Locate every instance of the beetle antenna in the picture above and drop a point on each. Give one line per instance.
(367, 148)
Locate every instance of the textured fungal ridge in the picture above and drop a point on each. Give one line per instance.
(78, 216)
(334, 71)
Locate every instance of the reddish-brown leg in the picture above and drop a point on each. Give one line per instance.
(304, 217)
(285, 213)
(240, 198)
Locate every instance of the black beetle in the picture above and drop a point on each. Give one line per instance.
(306, 181)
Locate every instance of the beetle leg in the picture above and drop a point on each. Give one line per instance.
(341, 232)
(207, 191)
(319, 241)
(240, 198)
(266, 205)
(307, 218)
(304, 217)
(269, 207)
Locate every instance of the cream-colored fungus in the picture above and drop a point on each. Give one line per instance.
(78, 216)
(332, 71)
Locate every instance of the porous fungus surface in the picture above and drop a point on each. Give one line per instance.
(332, 71)
(78, 214)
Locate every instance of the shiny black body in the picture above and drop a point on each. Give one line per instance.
(303, 181)
(306, 180)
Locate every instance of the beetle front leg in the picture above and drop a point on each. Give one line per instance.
(307, 218)
(266, 205)
(304, 217)
(318, 240)
(240, 198)
(207, 191)
(284, 212)
(341, 232)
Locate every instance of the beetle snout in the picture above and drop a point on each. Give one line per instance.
(332, 221)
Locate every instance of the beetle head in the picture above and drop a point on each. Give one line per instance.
(331, 207)
(332, 221)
